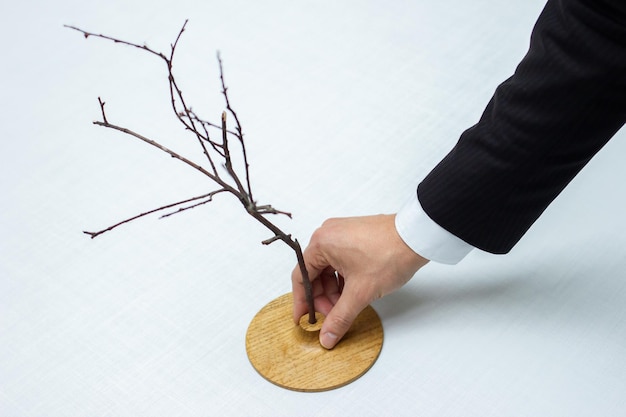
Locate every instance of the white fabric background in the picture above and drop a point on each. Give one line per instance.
(346, 106)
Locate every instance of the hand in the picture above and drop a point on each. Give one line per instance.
(352, 262)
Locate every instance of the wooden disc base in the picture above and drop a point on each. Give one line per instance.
(291, 357)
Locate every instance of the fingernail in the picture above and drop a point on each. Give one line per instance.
(328, 340)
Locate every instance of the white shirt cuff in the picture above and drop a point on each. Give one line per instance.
(426, 237)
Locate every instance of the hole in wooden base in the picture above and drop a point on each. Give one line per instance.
(315, 327)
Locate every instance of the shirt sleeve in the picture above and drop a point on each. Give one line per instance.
(427, 238)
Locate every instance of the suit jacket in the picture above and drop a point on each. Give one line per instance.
(566, 99)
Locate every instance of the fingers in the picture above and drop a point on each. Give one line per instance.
(332, 285)
(326, 291)
(364, 254)
(340, 318)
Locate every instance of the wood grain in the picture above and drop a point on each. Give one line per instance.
(291, 357)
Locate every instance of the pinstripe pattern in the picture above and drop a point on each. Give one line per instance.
(566, 99)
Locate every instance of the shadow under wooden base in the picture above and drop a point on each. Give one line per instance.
(291, 356)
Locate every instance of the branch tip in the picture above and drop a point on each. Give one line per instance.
(271, 240)
(104, 116)
(199, 128)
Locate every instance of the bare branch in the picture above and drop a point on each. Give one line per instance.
(143, 47)
(271, 240)
(268, 209)
(173, 46)
(170, 152)
(237, 126)
(207, 123)
(95, 234)
(175, 91)
(217, 147)
(306, 281)
(104, 116)
(200, 129)
(229, 164)
(208, 200)
(186, 110)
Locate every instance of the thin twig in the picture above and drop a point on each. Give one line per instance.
(208, 200)
(174, 89)
(104, 116)
(95, 234)
(200, 129)
(237, 126)
(271, 240)
(306, 281)
(143, 47)
(229, 165)
(170, 152)
(267, 209)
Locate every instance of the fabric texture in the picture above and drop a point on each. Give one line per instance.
(346, 105)
(566, 99)
(426, 237)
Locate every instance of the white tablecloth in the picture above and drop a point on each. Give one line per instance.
(346, 106)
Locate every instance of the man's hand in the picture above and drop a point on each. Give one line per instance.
(352, 262)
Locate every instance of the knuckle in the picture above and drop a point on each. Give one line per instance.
(317, 237)
(329, 222)
(340, 323)
(321, 235)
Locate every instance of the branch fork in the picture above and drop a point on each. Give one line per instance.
(238, 182)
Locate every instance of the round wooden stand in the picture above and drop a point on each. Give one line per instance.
(291, 356)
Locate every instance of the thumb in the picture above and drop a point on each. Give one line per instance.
(339, 319)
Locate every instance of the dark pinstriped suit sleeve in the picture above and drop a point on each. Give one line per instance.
(566, 99)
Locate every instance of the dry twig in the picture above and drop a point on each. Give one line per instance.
(238, 184)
